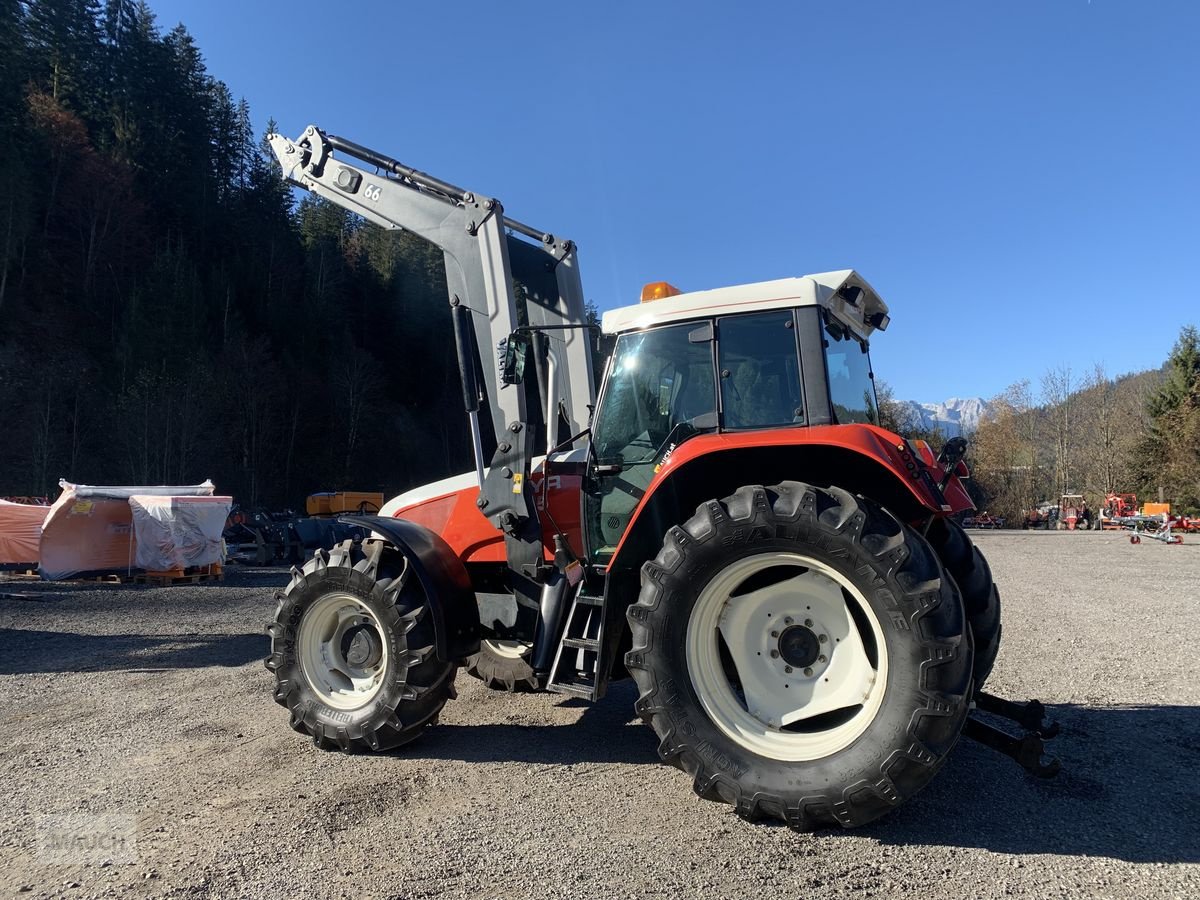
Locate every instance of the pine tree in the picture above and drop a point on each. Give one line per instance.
(1167, 460)
(1183, 370)
(16, 194)
(67, 52)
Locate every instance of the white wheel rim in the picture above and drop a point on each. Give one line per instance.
(778, 718)
(334, 624)
(508, 649)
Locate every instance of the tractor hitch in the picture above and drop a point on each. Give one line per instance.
(1029, 749)
(1031, 716)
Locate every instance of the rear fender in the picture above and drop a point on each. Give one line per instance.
(860, 458)
(442, 576)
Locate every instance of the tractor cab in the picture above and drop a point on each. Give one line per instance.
(780, 355)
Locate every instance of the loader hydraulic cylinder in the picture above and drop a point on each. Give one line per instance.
(470, 386)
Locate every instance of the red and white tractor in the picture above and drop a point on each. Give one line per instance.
(1073, 513)
(808, 629)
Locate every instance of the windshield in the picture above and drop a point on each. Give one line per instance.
(851, 387)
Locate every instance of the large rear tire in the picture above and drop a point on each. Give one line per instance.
(801, 655)
(352, 650)
(981, 597)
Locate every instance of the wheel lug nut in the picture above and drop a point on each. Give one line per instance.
(808, 671)
(787, 620)
(788, 669)
(774, 654)
(821, 659)
(808, 623)
(823, 638)
(774, 634)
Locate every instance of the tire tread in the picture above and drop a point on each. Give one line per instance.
(936, 612)
(421, 690)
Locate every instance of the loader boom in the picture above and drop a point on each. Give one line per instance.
(481, 247)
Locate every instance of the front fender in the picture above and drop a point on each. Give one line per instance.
(442, 576)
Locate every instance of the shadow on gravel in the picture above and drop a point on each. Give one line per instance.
(28, 652)
(606, 732)
(1127, 791)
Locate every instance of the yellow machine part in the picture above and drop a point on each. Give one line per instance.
(1156, 509)
(336, 504)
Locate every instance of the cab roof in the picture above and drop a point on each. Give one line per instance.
(862, 310)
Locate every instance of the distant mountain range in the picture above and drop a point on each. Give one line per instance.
(955, 416)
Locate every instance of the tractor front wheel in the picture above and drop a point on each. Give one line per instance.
(801, 655)
(352, 650)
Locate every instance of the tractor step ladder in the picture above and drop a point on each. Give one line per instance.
(574, 669)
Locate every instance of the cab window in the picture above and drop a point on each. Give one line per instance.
(759, 369)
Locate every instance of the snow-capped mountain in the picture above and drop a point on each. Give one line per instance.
(955, 416)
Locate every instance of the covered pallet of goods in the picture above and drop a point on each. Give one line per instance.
(101, 529)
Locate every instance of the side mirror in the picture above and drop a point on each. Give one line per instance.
(952, 452)
(950, 458)
(511, 353)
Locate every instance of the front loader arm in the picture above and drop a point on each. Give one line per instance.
(477, 239)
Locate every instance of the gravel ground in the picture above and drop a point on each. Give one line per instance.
(152, 703)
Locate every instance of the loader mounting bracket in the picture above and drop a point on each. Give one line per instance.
(505, 498)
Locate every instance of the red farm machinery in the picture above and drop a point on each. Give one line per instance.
(723, 521)
(1074, 513)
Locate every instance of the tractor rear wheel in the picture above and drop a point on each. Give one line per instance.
(981, 598)
(503, 665)
(352, 650)
(801, 654)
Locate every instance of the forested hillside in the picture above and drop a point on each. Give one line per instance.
(165, 314)
(1086, 433)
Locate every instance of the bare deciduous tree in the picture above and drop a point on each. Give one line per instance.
(1004, 453)
(358, 381)
(1058, 387)
(1111, 418)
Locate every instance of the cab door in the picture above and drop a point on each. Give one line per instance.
(659, 391)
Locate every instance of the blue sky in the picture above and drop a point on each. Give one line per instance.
(1019, 179)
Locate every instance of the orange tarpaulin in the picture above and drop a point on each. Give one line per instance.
(20, 532)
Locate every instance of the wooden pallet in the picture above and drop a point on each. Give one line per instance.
(193, 575)
(32, 575)
(20, 573)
